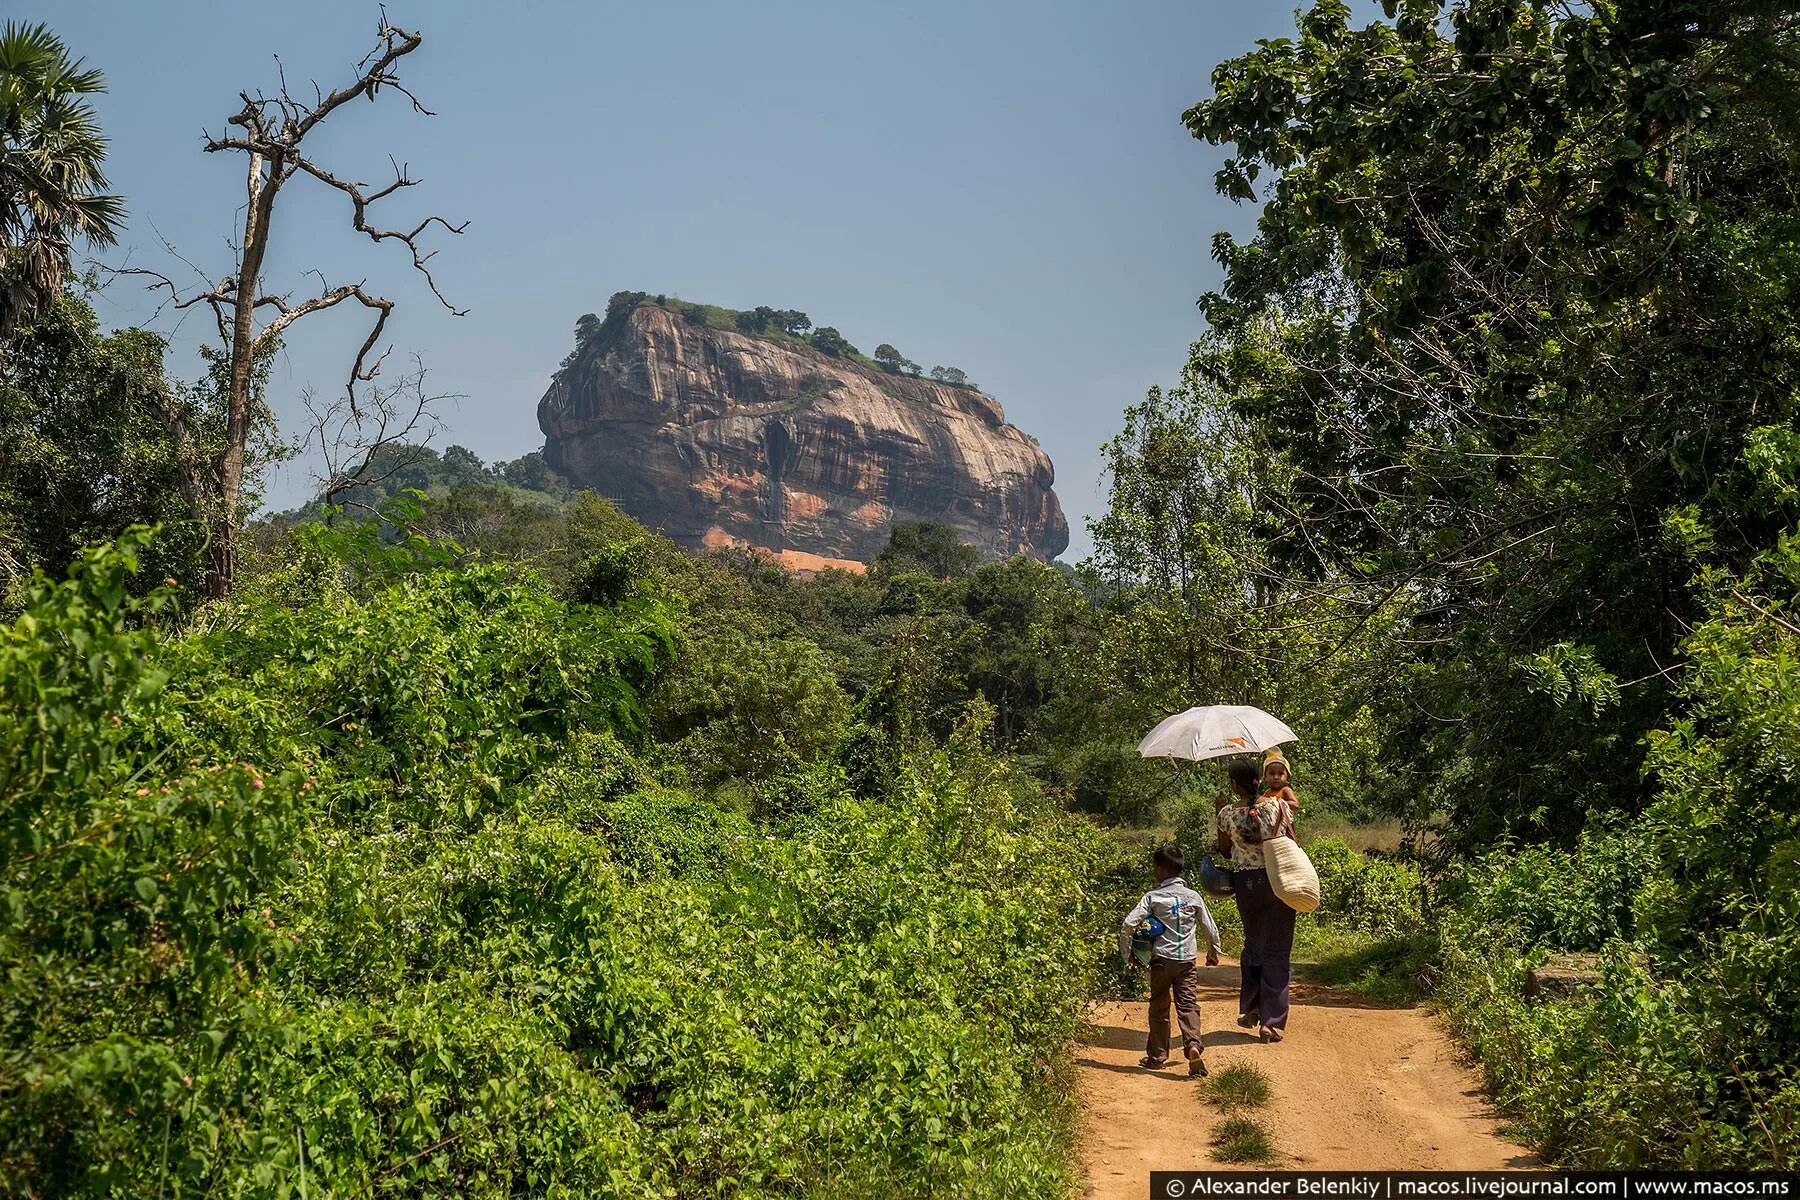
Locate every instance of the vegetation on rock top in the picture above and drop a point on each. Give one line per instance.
(784, 324)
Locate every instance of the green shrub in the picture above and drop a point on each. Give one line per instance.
(1111, 780)
(656, 834)
(130, 924)
(1546, 896)
(1683, 1053)
(1380, 896)
(368, 883)
(752, 708)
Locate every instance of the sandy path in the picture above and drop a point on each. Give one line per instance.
(1354, 1087)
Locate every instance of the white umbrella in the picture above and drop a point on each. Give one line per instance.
(1215, 731)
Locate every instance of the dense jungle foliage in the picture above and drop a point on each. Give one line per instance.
(375, 878)
(496, 844)
(1508, 368)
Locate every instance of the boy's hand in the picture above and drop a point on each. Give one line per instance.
(1212, 958)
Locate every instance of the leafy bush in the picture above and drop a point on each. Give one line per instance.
(1546, 896)
(744, 707)
(1381, 896)
(1683, 1052)
(366, 883)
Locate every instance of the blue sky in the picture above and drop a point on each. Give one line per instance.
(1003, 186)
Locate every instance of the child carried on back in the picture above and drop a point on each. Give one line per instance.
(1275, 776)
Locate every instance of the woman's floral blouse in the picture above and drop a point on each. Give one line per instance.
(1247, 827)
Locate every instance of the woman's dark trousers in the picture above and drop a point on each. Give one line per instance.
(1266, 965)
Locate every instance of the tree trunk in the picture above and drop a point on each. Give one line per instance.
(222, 556)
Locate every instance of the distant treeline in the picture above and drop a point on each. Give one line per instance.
(400, 467)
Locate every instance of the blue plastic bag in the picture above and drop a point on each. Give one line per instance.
(1213, 881)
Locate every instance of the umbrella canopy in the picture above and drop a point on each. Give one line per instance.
(1215, 731)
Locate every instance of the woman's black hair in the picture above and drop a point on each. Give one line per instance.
(1244, 773)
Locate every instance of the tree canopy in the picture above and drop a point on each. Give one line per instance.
(52, 185)
(1515, 311)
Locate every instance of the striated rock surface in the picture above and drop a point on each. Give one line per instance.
(721, 438)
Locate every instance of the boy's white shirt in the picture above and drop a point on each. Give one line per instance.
(1183, 913)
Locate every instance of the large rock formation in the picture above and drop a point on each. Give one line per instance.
(721, 438)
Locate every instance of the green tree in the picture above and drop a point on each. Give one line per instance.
(1012, 605)
(532, 473)
(52, 188)
(750, 708)
(930, 547)
(496, 522)
(84, 451)
(462, 465)
(760, 319)
(763, 319)
(890, 359)
(830, 342)
(1520, 290)
(1176, 547)
(1190, 612)
(951, 375)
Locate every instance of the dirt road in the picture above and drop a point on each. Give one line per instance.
(1354, 1087)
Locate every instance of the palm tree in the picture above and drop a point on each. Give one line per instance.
(51, 185)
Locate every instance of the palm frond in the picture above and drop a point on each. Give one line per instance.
(52, 185)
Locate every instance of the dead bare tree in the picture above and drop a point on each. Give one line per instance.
(270, 132)
(365, 443)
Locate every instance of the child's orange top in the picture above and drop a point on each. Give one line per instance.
(1286, 793)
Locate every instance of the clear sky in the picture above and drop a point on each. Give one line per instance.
(1000, 185)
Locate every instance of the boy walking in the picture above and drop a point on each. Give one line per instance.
(1181, 913)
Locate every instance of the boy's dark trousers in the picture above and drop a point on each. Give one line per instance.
(1172, 978)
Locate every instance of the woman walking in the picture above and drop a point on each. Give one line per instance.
(1266, 964)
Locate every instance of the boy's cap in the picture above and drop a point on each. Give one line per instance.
(1273, 755)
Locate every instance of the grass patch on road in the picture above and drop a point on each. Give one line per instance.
(1240, 1085)
(1242, 1139)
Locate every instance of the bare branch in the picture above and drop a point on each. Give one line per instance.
(216, 297)
(396, 44)
(355, 443)
(359, 219)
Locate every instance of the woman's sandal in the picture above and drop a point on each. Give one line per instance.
(1246, 1020)
(1268, 1033)
(1150, 1064)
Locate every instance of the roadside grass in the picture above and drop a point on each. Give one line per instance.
(1386, 971)
(1241, 1085)
(1241, 1139)
(1393, 971)
(1382, 837)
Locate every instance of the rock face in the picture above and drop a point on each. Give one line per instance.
(720, 438)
